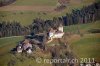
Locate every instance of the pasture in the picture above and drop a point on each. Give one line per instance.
(24, 11)
(82, 27)
(35, 2)
(88, 45)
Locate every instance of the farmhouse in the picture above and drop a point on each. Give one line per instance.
(30, 43)
(25, 46)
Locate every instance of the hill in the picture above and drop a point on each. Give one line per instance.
(83, 47)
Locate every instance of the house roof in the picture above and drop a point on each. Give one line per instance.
(52, 30)
(57, 32)
(26, 41)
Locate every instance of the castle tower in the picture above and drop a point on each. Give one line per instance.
(60, 28)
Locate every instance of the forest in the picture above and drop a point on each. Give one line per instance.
(6, 2)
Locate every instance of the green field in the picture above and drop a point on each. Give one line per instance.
(88, 45)
(35, 2)
(6, 45)
(83, 28)
(48, 2)
(25, 17)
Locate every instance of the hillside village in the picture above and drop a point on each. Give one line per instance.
(26, 45)
(73, 37)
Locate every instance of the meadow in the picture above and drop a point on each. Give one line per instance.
(35, 2)
(88, 45)
(83, 28)
(24, 11)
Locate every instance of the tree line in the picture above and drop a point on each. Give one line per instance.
(6, 2)
(12, 29)
(87, 14)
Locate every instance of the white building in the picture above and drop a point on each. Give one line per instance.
(56, 33)
(60, 28)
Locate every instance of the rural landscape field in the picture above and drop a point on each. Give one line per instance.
(23, 21)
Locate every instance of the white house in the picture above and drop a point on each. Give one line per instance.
(60, 28)
(51, 33)
(58, 33)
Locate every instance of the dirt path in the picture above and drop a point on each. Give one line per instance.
(27, 8)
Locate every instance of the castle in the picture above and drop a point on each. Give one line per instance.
(27, 44)
(56, 33)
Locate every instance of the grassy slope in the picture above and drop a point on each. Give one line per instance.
(82, 27)
(27, 19)
(6, 44)
(28, 16)
(87, 46)
(35, 2)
